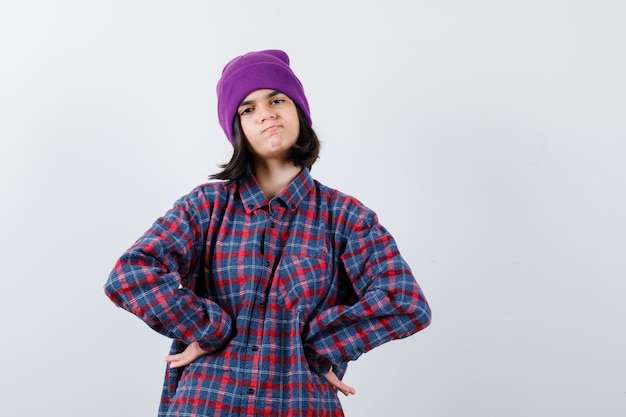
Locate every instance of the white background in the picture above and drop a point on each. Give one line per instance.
(488, 135)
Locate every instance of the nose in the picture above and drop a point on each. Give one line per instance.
(265, 112)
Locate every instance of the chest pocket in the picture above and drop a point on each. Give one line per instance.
(302, 282)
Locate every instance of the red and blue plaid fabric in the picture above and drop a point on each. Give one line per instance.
(278, 292)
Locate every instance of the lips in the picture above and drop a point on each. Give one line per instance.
(270, 129)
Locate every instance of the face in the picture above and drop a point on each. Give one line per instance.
(269, 120)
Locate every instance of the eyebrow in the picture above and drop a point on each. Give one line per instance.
(270, 95)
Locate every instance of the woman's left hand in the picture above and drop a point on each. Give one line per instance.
(190, 354)
(338, 384)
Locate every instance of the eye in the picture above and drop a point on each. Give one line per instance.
(245, 110)
(278, 100)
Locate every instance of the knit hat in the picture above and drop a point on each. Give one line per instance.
(254, 71)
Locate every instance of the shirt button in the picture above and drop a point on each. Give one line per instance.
(255, 348)
(261, 304)
(250, 391)
(267, 263)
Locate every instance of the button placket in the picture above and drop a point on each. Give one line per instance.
(267, 239)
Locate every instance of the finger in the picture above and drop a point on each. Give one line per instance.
(181, 360)
(178, 356)
(170, 358)
(338, 384)
(177, 359)
(178, 364)
(345, 389)
(187, 356)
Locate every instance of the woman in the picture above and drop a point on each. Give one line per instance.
(268, 282)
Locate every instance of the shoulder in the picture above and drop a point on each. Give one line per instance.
(344, 207)
(208, 196)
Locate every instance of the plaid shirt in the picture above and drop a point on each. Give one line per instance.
(278, 292)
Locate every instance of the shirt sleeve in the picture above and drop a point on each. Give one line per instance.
(390, 304)
(151, 280)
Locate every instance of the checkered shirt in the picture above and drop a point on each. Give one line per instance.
(278, 292)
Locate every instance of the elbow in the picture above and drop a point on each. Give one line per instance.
(418, 312)
(113, 289)
(110, 287)
(411, 311)
(422, 315)
(415, 320)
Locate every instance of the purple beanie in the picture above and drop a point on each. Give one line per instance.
(254, 71)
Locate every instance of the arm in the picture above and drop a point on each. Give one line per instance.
(150, 281)
(389, 305)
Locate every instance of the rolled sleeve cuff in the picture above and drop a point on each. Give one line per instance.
(219, 337)
(318, 364)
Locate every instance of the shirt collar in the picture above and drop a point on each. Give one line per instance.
(293, 195)
(253, 198)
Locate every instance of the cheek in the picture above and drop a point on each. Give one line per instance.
(295, 124)
(245, 129)
(293, 132)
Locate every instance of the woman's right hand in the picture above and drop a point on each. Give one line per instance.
(190, 354)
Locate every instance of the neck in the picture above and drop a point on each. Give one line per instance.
(273, 177)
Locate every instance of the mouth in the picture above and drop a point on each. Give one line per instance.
(270, 129)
